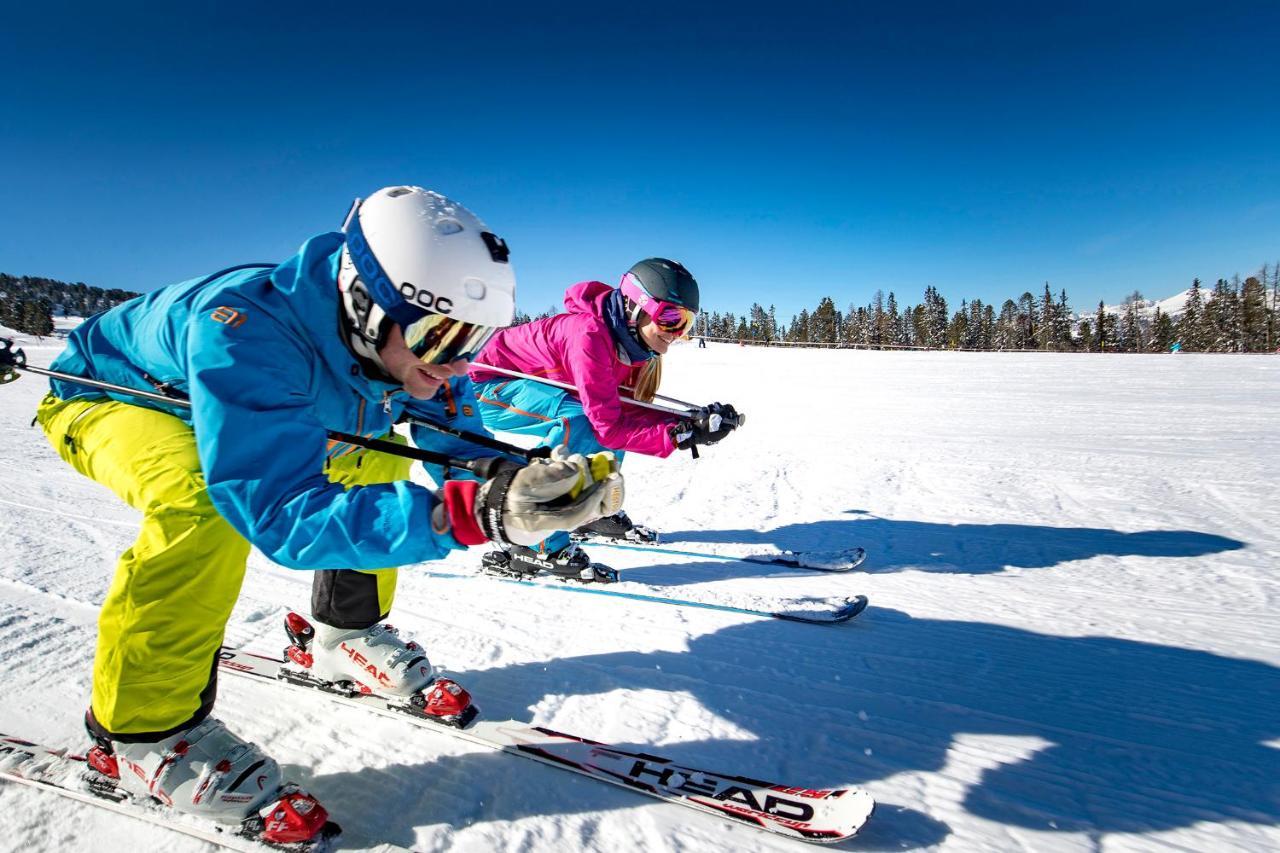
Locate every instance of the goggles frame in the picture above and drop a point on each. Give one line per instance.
(441, 339)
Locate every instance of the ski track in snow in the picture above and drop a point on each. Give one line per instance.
(1072, 642)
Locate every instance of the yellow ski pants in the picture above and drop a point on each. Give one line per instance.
(163, 619)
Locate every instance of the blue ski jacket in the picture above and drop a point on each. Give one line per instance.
(259, 352)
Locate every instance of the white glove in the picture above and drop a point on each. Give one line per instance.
(523, 506)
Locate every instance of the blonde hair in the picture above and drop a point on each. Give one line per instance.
(648, 380)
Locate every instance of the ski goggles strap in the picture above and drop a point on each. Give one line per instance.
(440, 339)
(374, 277)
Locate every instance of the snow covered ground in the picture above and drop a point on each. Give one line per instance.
(1072, 643)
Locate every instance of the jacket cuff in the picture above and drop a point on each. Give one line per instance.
(459, 498)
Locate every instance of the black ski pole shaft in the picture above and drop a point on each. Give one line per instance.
(483, 440)
(485, 468)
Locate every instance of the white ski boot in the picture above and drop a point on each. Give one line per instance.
(373, 660)
(211, 773)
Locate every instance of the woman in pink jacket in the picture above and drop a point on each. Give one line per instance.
(610, 338)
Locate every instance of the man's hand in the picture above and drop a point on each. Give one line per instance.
(522, 505)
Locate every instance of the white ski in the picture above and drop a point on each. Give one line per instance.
(806, 814)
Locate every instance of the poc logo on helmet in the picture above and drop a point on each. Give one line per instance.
(426, 299)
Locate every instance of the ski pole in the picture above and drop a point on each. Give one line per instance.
(482, 440)
(12, 360)
(683, 412)
(741, 419)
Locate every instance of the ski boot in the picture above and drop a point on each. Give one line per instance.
(617, 528)
(208, 772)
(569, 563)
(373, 660)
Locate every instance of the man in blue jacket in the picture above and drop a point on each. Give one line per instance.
(354, 331)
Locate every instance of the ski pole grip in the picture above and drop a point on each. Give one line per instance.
(491, 466)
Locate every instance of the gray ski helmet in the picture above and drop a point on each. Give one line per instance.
(666, 281)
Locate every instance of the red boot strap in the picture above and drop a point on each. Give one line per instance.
(296, 817)
(447, 698)
(104, 762)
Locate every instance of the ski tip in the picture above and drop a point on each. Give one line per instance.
(856, 605)
(851, 608)
(831, 561)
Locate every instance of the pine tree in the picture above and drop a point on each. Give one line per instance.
(920, 325)
(958, 327)
(1253, 316)
(1162, 332)
(876, 319)
(1026, 321)
(37, 317)
(1007, 329)
(1222, 320)
(936, 318)
(1086, 336)
(1130, 338)
(1046, 334)
(1062, 335)
(1190, 326)
(800, 326)
(822, 323)
(1104, 335)
(757, 324)
(974, 336)
(1274, 311)
(9, 311)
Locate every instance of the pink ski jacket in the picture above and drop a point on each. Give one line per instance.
(578, 348)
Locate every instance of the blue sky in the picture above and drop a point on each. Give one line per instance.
(782, 151)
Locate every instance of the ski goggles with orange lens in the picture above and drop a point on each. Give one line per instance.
(670, 318)
(440, 339)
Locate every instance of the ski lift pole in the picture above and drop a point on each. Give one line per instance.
(14, 360)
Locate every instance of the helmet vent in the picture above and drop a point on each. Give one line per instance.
(399, 191)
(497, 247)
(448, 226)
(474, 288)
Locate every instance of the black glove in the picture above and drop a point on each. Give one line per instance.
(705, 426)
(10, 360)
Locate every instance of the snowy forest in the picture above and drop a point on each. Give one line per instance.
(1232, 316)
(28, 304)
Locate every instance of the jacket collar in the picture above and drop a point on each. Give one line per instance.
(624, 334)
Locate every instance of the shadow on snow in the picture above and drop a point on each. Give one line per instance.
(897, 545)
(1114, 735)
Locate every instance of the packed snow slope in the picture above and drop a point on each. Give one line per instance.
(1072, 643)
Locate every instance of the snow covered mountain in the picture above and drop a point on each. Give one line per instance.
(1172, 306)
(1071, 643)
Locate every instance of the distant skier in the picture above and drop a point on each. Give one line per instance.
(354, 330)
(610, 337)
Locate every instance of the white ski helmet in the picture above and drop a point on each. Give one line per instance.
(427, 264)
